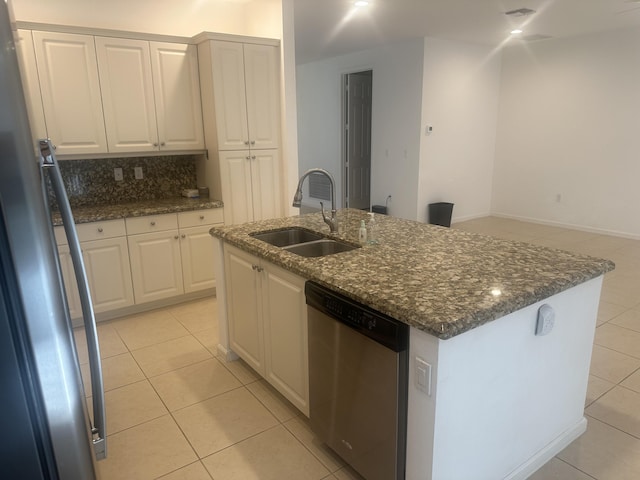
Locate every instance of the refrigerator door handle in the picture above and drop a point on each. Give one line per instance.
(49, 163)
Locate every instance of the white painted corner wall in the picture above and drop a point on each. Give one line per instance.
(568, 143)
(461, 87)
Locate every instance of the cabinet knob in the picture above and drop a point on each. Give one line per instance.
(259, 269)
(201, 217)
(183, 236)
(100, 230)
(153, 224)
(162, 144)
(246, 142)
(248, 157)
(155, 144)
(176, 237)
(253, 142)
(253, 157)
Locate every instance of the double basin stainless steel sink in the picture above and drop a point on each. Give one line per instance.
(303, 242)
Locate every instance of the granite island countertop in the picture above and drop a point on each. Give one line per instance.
(439, 280)
(141, 208)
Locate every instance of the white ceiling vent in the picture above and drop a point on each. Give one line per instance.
(520, 12)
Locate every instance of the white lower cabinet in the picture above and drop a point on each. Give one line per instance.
(268, 323)
(106, 261)
(171, 254)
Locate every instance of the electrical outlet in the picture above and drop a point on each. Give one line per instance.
(117, 174)
(138, 173)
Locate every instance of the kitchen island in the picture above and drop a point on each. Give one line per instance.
(491, 399)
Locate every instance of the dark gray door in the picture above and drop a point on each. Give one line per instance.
(357, 167)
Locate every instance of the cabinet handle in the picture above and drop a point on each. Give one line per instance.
(253, 142)
(253, 157)
(246, 142)
(100, 230)
(176, 237)
(155, 144)
(259, 269)
(153, 224)
(183, 236)
(248, 157)
(201, 217)
(162, 144)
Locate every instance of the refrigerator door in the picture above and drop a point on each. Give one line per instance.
(46, 363)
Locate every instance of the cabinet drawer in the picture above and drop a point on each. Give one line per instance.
(93, 231)
(151, 223)
(200, 217)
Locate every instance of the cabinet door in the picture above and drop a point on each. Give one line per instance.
(265, 184)
(196, 247)
(68, 74)
(176, 88)
(156, 268)
(285, 331)
(229, 95)
(127, 94)
(263, 95)
(235, 177)
(30, 84)
(70, 285)
(244, 306)
(107, 265)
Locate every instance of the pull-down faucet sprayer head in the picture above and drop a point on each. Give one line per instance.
(297, 198)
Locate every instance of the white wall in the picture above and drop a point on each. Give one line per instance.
(261, 18)
(569, 125)
(397, 93)
(461, 85)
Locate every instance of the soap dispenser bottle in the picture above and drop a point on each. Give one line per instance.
(372, 233)
(362, 233)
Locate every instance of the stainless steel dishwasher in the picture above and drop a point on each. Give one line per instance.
(358, 368)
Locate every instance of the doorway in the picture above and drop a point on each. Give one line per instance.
(356, 122)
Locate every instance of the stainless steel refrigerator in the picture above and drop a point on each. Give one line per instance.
(45, 428)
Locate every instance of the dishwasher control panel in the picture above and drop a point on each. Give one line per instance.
(369, 322)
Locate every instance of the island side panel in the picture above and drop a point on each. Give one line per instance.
(506, 400)
(224, 350)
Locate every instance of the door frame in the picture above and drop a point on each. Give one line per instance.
(344, 98)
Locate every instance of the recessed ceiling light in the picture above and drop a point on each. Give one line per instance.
(517, 31)
(361, 3)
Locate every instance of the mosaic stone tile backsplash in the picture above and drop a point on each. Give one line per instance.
(92, 182)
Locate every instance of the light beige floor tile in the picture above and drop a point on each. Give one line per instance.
(132, 405)
(117, 371)
(279, 406)
(596, 388)
(347, 473)
(271, 455)
(629, 319)
(556, 469)
(195, 471)
(619, 339)
(110, 342)
(171, 355)
(620, 408)
(146, 451)
(209, 338)
(300, 429)
(192, 384)
(604, 452)
(149, 328)
(242, 371)
(197, 315)
(607, 311)
(611, 365)
(622, 297)
(633, 381)
(224, 420)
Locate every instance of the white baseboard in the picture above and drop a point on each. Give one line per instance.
(226, 354)
(582, 228)
(529, 467)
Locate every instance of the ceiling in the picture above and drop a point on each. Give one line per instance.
(327, 28)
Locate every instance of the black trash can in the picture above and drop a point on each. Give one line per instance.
(440, 213)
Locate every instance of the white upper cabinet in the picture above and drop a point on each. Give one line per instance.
(176, 87)
(246, 95)
(68, 74)
(127, 94)
(29, 74)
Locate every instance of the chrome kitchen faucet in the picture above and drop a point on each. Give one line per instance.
(297, 198)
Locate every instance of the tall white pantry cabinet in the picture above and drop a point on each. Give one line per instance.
(240, 85)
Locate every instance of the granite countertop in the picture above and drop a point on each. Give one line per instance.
(442, 281)
(136, 209)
